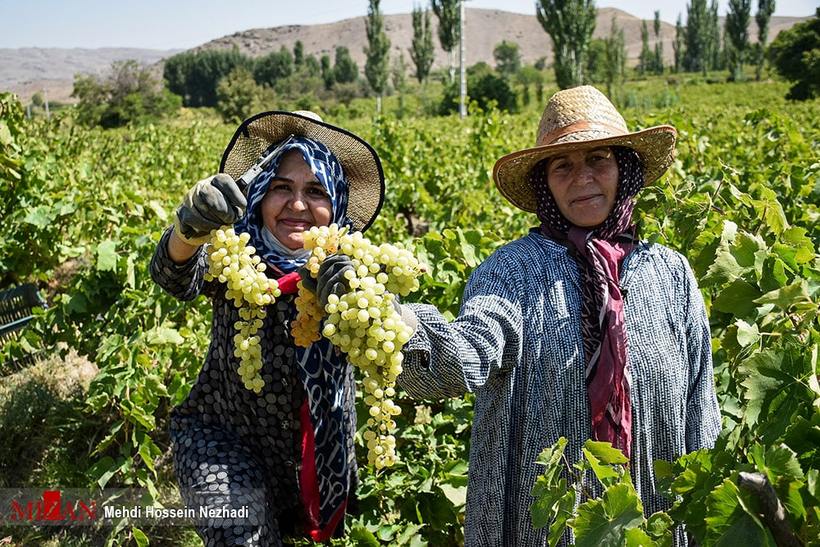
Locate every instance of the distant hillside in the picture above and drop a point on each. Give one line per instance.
(484, 29)
(28, 70)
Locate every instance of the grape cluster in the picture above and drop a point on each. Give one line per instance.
(364, 324)
(233, 262)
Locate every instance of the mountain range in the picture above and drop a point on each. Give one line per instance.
(28, 70)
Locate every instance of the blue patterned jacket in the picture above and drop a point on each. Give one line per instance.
(517, 345)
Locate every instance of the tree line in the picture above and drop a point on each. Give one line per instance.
(237, 85)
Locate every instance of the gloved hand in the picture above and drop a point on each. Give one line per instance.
(331, 279)
(211, 203)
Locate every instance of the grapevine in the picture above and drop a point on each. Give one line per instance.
(233, 262)
(363, 323)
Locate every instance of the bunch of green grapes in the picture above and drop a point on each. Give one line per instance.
(309, 313)
(364, 324)
(233, 262)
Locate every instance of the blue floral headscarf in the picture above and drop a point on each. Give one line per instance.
(328, 172)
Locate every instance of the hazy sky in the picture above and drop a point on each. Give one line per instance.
(170, 24)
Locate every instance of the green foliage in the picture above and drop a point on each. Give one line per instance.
(795, 54)
(448, 16)
(484, 87)
(194, 75)
(421, 50)
(614, 59)
(273, 67)
(698, 37)
(378, 47)
(507, 58)
(128, 95)
(737, 34)
(645, 59)
(83, 210)
(344, 67)
(765, 9)
(239, 96)
(298, 53)
(658, 60)
(679, 44)
(570, 24)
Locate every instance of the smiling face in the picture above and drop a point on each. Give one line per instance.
(295, 202)
(584, 184)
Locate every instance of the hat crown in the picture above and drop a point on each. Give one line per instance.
(579, 109)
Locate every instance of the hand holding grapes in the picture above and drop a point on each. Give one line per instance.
(212, 202)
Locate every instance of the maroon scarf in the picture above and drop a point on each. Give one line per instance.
(599, 253)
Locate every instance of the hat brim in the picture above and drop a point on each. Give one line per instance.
(359, 160)
(655, 146)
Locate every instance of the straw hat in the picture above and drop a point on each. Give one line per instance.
(576, 119)
(360, 163)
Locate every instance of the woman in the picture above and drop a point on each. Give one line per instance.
(578, 329)
(286, 454)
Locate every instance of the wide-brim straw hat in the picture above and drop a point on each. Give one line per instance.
(581, 118)
(359, 160)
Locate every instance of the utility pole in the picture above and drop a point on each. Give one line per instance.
(462, 109)
(45, 99)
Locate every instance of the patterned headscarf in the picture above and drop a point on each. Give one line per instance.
(599, 252)
(325, 477)
(328, 171)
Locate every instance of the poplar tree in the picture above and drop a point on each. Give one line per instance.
(376, 66)
(447, 13)
(765, 8)
(645, 58)
(679, 44)
(658, 44)
(614, 58)
(298, 53)
(697, 36)
(570, 24)
(421, 51)
(737, 25)
(715, 55)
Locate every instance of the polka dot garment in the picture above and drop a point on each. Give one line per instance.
(229, 440)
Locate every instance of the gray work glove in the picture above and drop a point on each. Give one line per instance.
(211, 203)
(331, 279)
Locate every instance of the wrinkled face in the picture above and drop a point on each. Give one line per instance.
(295, 202)
(584, 184)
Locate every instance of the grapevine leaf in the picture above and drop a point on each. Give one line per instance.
(140, 537)
(729, 523)
(566, 506)
(605, 452)
(159, 336)
(456, 494)
(604, 522)
(659, 526)
(607, 474)
(750, 251)
(747, 334)
(773, 213)
(545, 506)
(636, 537)
(41, 216)
(724, 269)
(795, 247)
(781, 463)
(737, 298)
(362, 537)
(107, 256)
(760, 382)
(785, 298)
